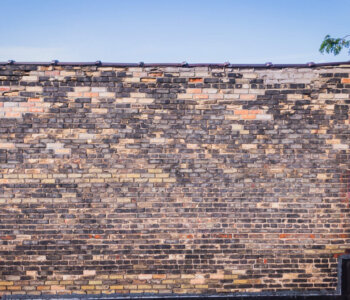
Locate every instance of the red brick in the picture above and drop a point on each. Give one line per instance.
(195, 80)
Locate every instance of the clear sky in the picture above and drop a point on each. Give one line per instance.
(208, 31)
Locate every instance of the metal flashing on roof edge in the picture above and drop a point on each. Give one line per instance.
(285, 295)
(183, 64)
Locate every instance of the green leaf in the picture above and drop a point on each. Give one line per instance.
(334, 45)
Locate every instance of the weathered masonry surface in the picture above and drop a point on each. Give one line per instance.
(173, 179)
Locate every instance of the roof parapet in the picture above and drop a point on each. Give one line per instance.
(183, 64)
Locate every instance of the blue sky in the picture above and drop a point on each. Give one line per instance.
(238, 31)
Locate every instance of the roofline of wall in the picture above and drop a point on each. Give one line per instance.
(184, 64)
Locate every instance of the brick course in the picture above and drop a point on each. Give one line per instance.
(173, 179)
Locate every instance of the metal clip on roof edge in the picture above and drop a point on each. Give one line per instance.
(98, 63)
(141, 64)
(10, 62)
(269, 64)
(184, 64)
(54, 62)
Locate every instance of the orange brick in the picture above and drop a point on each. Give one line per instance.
(26, 104)
(159, 276)
(201, 96)
(216, 276)
(14, 288)
(222, 236)
(42, 287)
(149, 80)
(345, 80)
(194, 91)
(241, 112)
(196, 281)
(57, 287)
(12, 115)
(156, 74)
(7, 237)
(90, 95)
(52, 73)
(195, 80)
(7, 146)
(336, 255)
(247, 97)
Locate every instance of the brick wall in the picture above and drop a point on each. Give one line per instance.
(173, 179)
